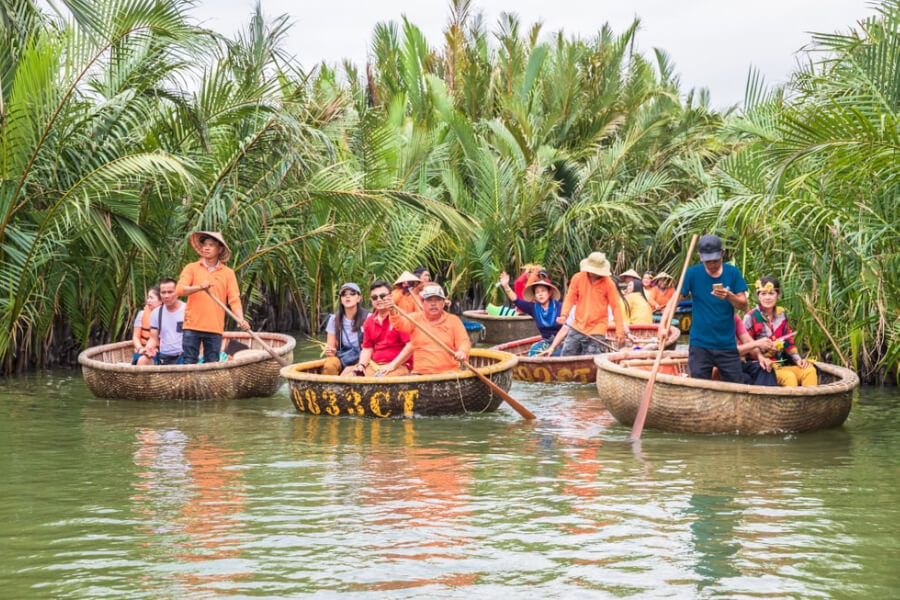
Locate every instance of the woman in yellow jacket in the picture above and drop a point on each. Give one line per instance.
(639, 310)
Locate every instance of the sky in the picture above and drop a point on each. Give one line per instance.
(713, 43)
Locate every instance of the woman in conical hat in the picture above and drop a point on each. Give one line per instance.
(404, 294)
(541, 300)
(592, 292)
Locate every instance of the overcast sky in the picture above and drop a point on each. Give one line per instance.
(713, 43)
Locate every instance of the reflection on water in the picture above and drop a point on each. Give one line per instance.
(249, 498)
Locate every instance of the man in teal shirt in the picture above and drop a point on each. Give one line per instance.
(717, 290)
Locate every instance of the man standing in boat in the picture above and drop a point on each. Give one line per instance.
(166, 327)
(204, 319)
(429, 358)
(592, 292)
(717, 290)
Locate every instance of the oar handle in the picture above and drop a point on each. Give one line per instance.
(644, 407)
(253, 334)
(527, 414)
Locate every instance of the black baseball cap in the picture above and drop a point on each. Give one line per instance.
(710, 247)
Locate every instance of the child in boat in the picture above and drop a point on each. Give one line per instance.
(541, 300)
(770, 320)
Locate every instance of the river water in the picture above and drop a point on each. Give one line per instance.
(120, 499)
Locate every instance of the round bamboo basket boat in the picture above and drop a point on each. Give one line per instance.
(565, 369)
(109, 373)
(499, 330)
(454, 393)
(682, 404)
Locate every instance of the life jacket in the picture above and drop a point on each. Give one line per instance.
(145, 326)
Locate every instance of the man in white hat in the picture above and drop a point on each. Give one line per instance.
(592, 292)
(429, 358)
(717, 290)
(204, 320)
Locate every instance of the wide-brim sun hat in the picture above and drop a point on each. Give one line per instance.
(406, 277)
(663, 275)
(431, 290)
(528, 292)
(630, 273)
(224, 255)
(597, 264)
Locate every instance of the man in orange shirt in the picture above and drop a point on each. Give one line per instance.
(592, 292)
(204, 320)
(429, 358)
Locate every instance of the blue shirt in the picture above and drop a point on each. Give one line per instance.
(713, 326)
(544, 319)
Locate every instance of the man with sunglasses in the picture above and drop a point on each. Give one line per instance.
(385, 351)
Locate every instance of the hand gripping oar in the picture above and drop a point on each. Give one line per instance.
(258, 339)
(664, 326)
(527, 414)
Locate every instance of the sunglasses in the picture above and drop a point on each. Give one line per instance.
(377, 297)
(348, 293)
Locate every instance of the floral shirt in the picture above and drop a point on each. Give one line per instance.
(778, 329)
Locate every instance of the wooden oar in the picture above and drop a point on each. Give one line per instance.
(602, 342)
(527, 414)
(664, 326)
(259, 340)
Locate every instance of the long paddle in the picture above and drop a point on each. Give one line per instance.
(253, 334)
(527, 414)
(664, 326)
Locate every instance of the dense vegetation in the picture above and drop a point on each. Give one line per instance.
(124, 126)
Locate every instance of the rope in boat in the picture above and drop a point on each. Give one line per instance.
(463, 403)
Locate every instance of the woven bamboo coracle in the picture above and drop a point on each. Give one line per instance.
(454, 393)
(109, 373)
(564, 369)
(498, 330)
(682, 404)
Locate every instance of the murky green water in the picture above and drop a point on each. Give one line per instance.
(106, 499)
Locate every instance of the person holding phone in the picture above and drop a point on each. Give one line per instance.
(717, 290)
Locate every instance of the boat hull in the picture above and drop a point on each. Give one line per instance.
(108, 373)
(681, 404)
(499, 330)
(568, 369)
(456, 393)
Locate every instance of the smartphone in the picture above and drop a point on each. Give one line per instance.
(717, 286)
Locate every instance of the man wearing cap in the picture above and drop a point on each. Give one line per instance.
(404, 294)
(660, 294)
(592, 292)
(717, 290)
(204, 320)
(429, 358)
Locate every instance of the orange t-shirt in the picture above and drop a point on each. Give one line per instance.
(592, 302)
(405, 302)
(659, 298)
(428, 356)
(201, 312)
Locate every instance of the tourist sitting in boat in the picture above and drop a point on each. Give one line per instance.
(141, 335)
(167, 327)
(770, 321)
(429, 358)
(422, 273)
(751, 352)
(530, 272)
(647, 279)
(540, 299)
(405, 294)
(717, 290)
(660, 294)
(629, 275)
(385, 350)
(204, 319)
(344, 331)
(591, 291)
(637, 306)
